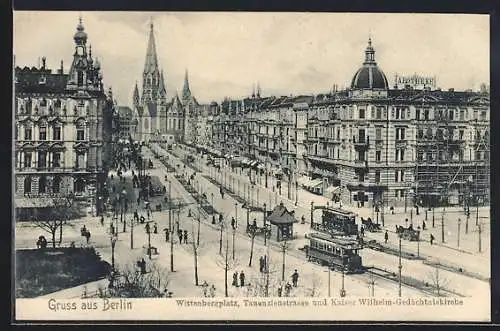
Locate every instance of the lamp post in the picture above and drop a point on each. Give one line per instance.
(234, 232)
(131, 233)
(221, 225)
(284, 247)
(236, 214)
(113, 238)
(400, 266)
(213, 208)
(342, 289)
(265, 234)
(148, 232)
(296, 192)
(123, 202)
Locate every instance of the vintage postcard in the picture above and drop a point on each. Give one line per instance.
(177, 166)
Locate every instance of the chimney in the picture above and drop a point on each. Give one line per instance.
(44, 59)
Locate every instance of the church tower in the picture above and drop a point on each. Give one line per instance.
(151, 73)
(136, 98)
(186, 92)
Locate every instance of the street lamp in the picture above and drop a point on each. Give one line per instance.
(284, 247)
(265, 234)
(236, 214)
(113, 237)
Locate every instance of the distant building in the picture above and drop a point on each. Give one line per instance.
(63, 125)
(126, 123)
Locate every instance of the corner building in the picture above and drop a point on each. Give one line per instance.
(399, 146)
(62, 132)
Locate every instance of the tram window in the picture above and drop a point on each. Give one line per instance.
(329, 248)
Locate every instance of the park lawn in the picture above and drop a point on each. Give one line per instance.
(43, 271)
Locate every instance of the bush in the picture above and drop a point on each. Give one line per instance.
(43, 271)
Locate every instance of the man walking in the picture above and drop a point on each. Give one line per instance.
(242, 279)
(185, 236)
(386, 236)
(295, 278)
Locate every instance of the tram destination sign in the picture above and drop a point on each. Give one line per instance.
(415, 81)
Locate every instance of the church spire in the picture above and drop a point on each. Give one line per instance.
(136, 98)
(162, 91)
(258, 90)
(151, 74)
(186, 92)
(151, 63)
(369, 52)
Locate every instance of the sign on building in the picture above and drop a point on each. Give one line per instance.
(415, 81)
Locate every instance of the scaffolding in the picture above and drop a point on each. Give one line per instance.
(443, 177)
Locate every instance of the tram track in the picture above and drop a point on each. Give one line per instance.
(370, 272)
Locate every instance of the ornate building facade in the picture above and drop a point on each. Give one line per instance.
(369, 144)
(63, 125)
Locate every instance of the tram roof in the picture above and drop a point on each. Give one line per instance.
(343, 242)
(341, 211)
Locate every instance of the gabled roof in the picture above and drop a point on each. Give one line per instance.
(280, 215)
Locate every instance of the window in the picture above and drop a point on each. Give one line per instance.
(27, 185)
(402, 154)
(378, 133)
(402, 134)
(483, 116)
(43, 133)
(420, 134)
(462, 114)
(403, 111)
(79, 78)
(378, 155)
(56, 133)
(361, 113)
(56, 160)
(397, 155)
(361, 133)
(417, 113)
(80, 160)
(426, 114)
(80, 134)
(42, 184)
(377, 176)
(361, 176)
(396, 176)
(79, 185)
(42, 159)
(361, 155)
(379, 113)
(451, 114)
(420, 156)
(56, 184)
(27, 159)
(397, 113)
(27, 133)
(478, 155)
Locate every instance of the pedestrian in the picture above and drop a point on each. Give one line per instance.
(213, 219)
(102, 220)
(149, 213)
(212, 291)
(185, 236)
(142, 219)
(303, 220)
(112, 228)
(205, 288)
(288, 289)
(235, 279)
(138, 200)
(432, 238)
(143, 266)
(423, 225)
(155, 228)
(362, 231)
(386, 236)
(280, 290)
(242, 279)
(167, 234)
(392, 210)
(147, 228)
(233, 223)
(179, 234)
(87, 236)
(261, 264)
(295, 278)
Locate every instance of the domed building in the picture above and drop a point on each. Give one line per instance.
(371, 145)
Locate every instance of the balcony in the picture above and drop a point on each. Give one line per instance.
(361, 144)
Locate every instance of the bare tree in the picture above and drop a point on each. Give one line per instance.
(438, 281)
(55, 217)
(129, 282)
(226, 264)
(197, 250)
(252, 233)
(313, 289)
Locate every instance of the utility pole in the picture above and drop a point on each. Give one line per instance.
(234, 232)
(170, 227)
(399, 267)
(342, 289)
(458, 233)
(284, 247)
(265, 226)
(479, 234)
(199, 226)
(268, 260)
(442, 227)
(236, 215)
(221, 224)
(132, 233)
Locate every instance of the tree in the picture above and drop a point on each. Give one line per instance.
(438, 281)
(128, 282)
(197, 249)
(54, 218)
(226, 264)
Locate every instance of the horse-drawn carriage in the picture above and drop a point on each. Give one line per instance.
(408, 233)
(253, 229)
(370, 226)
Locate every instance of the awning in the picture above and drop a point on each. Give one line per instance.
(40, 202)
(253, 163)
(315, 183)
(332, 189)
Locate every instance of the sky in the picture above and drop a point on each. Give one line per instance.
(226, 53)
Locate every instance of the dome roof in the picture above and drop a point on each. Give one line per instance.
(80, 34)
(369, 76)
